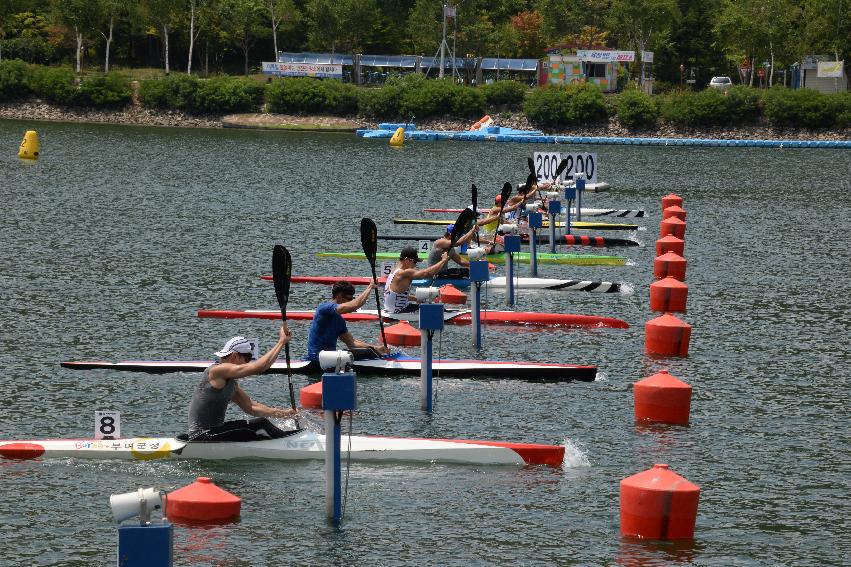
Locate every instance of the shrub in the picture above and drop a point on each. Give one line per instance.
(468, 102)
(804, 108)
(842, 109)
(174, 91)
(306, 95)
(744, 104)
(225, 95)
(14, 79)
(111, 90)
(55, 84)
(636, 109)
(30, 49)
(379, 103)
(578, 103)
(504, 93)
(708, 107)
(422, 97)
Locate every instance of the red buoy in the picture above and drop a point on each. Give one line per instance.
(670, 244)
(402, 334)
(668, 294)
(671, 200)
(670, 264)
(667, 335)
(673, 226)
(21, 451)
(658, 504)
(674, 211)
(202, 501)
(662, 398)
(451, 294)
(311, 396)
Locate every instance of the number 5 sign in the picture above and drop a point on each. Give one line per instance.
(107, 424)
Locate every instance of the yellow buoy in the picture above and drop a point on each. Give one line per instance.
(398, 137)
(30, 146)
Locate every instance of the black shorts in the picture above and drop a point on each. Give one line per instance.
(257, 429)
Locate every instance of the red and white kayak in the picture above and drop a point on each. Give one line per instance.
(454, 317)
(623, 213)
(396, 364)
(300, 445)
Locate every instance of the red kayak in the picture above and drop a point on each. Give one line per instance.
(454, 317)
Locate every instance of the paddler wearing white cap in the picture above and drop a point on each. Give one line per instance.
(218, 388)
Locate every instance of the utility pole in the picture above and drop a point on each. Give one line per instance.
(443, 43)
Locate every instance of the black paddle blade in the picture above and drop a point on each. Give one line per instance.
(531, 165)
(531, 181)
(475, 191)
(369, 239)
(463, 225)
(560, 168)
(506, 193)
(282, 268)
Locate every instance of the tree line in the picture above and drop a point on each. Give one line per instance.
(715, 37)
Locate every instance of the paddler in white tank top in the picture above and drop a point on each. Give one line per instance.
(397, 288)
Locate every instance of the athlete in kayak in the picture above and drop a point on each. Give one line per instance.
(442, 245)
(397, 297)
(328, 325)
(218, 388)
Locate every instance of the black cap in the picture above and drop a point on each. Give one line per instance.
(409, 252)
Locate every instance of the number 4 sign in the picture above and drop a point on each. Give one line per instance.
(107, 424)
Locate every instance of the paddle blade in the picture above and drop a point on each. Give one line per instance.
(463, 225)
(531, 181)
(369, 239)
(282, 268)
(560, 169)
(531, 165)
(475, 191)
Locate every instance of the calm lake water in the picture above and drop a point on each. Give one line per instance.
(118, 235)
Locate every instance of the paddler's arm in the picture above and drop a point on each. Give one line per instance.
(352, 342)
(357, 302)
(226, 371)
(431, 270)
(458, 258)
(257, 409)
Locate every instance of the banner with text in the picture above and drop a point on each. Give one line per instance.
(594, 56)
(303, 70)
(828, 69)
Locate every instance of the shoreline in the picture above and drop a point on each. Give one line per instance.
(137, 115)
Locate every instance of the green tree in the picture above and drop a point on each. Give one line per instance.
(529, 26)
(323, 25)
(81, 16)
(283, 14)
(113, 10)
(827, 28)
(242, 22)
(163, 14)
(424, 27)
(640, 24)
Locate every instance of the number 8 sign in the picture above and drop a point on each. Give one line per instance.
(107, 424)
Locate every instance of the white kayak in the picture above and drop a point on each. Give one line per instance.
(298, 445)
(593, 187)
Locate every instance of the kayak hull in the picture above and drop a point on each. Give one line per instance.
(519, 257)
(621, 213)
(454, 317)
(564, 239)
(463, 283)
(303, 445)
(579, 225)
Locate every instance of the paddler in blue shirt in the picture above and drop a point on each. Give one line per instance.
(218, 388)
(397, 288)
(328, 325)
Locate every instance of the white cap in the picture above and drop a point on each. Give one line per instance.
(242, 346)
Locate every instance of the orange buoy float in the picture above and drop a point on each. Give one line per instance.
(662, 398)
(202, 501)
(658, 504)
(402, 334)
(485, 121)
(670, 264)
(671, 200)
(667, 335)
(673, 226)
(674, 211)
(452, 295)
(668, 294)
(670, 243)
(311, 396)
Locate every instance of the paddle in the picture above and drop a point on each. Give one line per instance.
(282, 269)
(463, 224)
(531, 165)
(475, 204)
(369, 242)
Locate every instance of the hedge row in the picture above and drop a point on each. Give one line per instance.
(413, 95)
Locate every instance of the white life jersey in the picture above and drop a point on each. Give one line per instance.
(395, 302)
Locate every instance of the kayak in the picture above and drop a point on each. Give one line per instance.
(298, 445)
(451, 316)
(579, 225)
(499, 258)
(568, 239)
(623, 213)
(463, 283)
(396, 364)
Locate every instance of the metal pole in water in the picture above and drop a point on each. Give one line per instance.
(536, 221)
(569, 196)
(478, 274)
(511, 243)
(554, 209)
(339, 394)
(431, 320)
(580, 187)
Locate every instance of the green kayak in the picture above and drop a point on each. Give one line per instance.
(520, 257)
